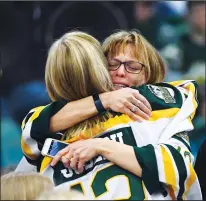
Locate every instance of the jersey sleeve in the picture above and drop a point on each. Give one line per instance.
(169, 167)
(188, 88)
(174, 103)
(164, 96)
(35, 129)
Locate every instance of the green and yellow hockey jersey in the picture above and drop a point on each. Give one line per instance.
(160, 144)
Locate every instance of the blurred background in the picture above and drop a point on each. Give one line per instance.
(175, 28)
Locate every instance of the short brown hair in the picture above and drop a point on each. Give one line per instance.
(116, 43)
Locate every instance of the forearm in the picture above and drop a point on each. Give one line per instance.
(120, 154)
(74, 112)
(122, 101)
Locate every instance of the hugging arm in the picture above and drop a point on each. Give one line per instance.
(44, 121)
(165, 167)
(35, 127)
(122, 100)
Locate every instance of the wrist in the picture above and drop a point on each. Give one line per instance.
(101, 144)
(98, 103)
(104, 97)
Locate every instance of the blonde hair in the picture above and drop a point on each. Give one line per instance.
(23, 186)
(76, 68)
(143, 50)
(60, 194)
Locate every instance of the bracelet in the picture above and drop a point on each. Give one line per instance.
(98, 103)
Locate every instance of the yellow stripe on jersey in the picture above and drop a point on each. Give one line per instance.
(169, 172)
(36, 109)
(189, 120)
(27, 150)
(166, 113)
(45, 162)
(191, 88)
(79, 183)
(118, 120)
(180, 83)
(36, 113)
(192, 178)
(145, 191)
(98, 129)
(23, 123)
(177, 83)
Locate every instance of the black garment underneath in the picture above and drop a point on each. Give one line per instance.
(200, 168)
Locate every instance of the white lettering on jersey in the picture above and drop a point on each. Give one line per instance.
(120, 137)
(67, 172)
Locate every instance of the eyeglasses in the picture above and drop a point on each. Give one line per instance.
(134, 67)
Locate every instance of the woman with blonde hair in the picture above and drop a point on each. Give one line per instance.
(76, 68)
(24, 186)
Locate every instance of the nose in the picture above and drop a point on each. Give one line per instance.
(121, 72)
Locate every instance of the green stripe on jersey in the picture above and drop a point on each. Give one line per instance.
(181, 140)
(147, 160)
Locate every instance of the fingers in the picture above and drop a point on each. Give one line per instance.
(144, 101)
(135, 109)
(59, 156)
(132, 100)
(65, 161)
(74, 161)
(76, 155)
(83, 158)
(68, 158)
(80, 166)
(141, 110)
(71, 158)
(132, 115)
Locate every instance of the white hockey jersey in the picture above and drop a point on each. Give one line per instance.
(160, 144)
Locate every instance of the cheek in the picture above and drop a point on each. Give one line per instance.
(112, 73)
(133, 80)
(138, 79)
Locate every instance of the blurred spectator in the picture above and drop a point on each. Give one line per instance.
(26, 96)
(60, 194)
(186, 60)
(149, 19)
(146, 21)
(172, 8)
(24, 186)
(187, 57)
